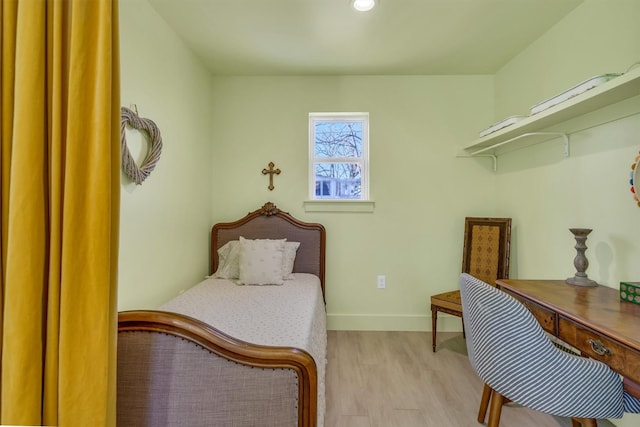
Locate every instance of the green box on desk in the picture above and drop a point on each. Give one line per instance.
(630, 291)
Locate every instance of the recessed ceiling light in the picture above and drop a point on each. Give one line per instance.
(363, 5)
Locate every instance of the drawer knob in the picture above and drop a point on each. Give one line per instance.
(598, 347)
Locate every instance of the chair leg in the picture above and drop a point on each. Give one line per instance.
(464, 335)
(584, 422)
(497, 400)
(434, 327)
(484, 403)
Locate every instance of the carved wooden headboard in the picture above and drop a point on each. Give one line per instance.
(269, 222)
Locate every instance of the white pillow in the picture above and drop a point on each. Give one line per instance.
(228, 261)
(261, 261)
(290, 249)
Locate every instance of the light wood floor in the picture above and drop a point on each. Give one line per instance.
(393, 379)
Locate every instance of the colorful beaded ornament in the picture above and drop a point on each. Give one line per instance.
(635, 178)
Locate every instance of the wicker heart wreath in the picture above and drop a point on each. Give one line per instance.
(139, 173)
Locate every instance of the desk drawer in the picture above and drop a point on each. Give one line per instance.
(620, 358)
(545, 317)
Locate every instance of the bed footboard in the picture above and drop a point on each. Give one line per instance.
(174, 370)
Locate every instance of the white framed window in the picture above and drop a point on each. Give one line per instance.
(339, 156)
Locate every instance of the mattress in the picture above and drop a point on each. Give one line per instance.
(574, 91)
(501, 124)
(289, 315)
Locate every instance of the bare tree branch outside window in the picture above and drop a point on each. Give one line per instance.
(339, 147)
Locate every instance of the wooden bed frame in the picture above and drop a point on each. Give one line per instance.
(269, 222)
(163, 332)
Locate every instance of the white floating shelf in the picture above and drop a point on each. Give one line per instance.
(615, 90)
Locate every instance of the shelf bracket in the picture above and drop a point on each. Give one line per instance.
(566, 144)
(493, 156)
(564, 136)
(483, 151)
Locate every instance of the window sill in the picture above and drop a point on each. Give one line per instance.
(339, 205)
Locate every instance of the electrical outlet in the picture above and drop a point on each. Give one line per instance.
(382, 282)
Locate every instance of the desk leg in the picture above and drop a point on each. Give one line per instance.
(434, 326)
(631, 387)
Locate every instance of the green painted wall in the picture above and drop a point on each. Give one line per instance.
(219, 133)
(598, 37)
(164, 221)
(546, 193)
(422, 192)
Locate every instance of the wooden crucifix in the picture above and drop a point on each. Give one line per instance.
(271, 171)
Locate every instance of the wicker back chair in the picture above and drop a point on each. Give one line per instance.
(485, 255)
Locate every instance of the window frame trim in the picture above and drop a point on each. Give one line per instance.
(364, 178)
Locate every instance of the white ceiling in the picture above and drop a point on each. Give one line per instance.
(328, 37)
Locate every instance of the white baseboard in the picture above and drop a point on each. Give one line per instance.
(391, 322)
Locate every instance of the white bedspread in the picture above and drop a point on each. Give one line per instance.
(290, 315)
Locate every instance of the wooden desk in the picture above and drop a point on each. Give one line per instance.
(591, 319)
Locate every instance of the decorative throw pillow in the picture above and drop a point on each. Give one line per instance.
(261, 261)
(228, 261)
(290, 249)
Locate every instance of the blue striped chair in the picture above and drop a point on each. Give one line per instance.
(511, 353)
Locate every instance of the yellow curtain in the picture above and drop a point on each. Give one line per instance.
(60, 185)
